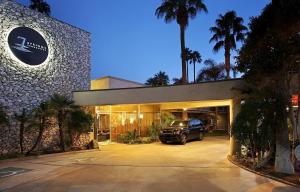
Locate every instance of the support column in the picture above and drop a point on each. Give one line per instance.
(185, 115)
(234, 108)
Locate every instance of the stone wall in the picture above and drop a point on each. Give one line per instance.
(23, 86)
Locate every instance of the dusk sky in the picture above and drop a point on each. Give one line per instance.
(128, 41)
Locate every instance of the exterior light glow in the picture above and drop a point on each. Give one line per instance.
(141, 116)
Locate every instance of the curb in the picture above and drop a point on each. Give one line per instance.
(262, 174)
(47, 155)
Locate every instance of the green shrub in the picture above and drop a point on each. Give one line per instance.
(154, 130)
(132, 138)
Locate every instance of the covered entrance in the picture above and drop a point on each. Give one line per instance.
(119, 111)
(112, 121)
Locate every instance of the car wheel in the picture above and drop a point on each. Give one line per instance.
(164, 142)
(201, 136)
(183, 139)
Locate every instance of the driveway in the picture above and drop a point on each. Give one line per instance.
(196, 166)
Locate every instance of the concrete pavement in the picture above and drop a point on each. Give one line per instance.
(196, 166)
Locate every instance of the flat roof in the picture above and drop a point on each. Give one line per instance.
(212, 90)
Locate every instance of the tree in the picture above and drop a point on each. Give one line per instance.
(211, 72)
(229, 29)
(61, 106)
(269, 58)
(193, 57)
(181, 11)
(177, 81)
(254, 126)
(159, 79)
(79, 122)
(23, 118)
(41, 117)
(3, 117)
(40, 6)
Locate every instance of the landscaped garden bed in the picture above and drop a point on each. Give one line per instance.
(268, 171)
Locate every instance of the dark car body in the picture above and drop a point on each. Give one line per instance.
(183, 131)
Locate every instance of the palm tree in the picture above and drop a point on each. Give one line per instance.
(211, 72)
(40, 6)
(23, 120)
(41, 115)
(61, 106)
(193, 57)
(228, 30)
(188, 54)
(159, 79)
(181, 11)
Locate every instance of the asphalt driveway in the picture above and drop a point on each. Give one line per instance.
(196, 166)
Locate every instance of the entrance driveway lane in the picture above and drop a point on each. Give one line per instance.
(197, 166)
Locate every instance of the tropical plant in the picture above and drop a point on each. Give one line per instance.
(254, 127)
(154, 130)
(193, 58)
(23, 119)
(270, 58)
(228, 30)
(130, 137)
(61, 106)
(211, 72)
(166, 119)
(41, 116)
(40, 6)
(79, 122)
(159, 79)
(3, 117)
(177, 81)
(181, 11)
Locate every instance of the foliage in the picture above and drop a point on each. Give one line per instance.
(61, 106)
(272, 45)
(129, 138)
(41, 6)
(166, 119)
(211, 72)
(228, 29)
(159, 79)
(192, 57)
(154, 130)
(23, 118)
(3, 117)
(269, 60)
(256, 124)
(79, 122)
(181, 11)
(177, 81)
(40, 121)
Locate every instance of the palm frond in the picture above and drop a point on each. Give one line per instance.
(218, 46)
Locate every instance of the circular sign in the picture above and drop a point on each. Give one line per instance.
(297, 152)
(28, 45)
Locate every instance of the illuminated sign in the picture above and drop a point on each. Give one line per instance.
(295, 100)
(28, 45)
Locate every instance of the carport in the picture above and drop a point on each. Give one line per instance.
(123, 108)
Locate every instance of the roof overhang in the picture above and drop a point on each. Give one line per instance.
(214, 90)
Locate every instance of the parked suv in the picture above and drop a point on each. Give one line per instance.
(182, 131)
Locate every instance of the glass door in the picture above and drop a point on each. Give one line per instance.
(104, 128)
